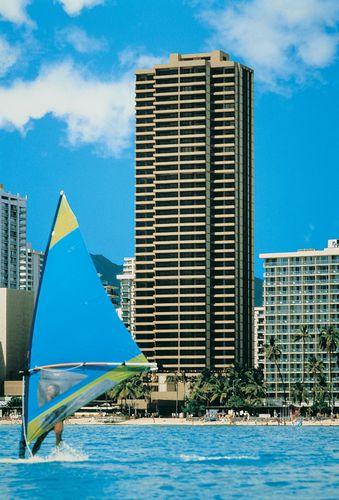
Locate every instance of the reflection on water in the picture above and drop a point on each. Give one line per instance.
(171, 462)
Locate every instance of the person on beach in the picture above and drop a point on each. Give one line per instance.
(52, 391)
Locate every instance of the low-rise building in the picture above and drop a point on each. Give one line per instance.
(127, 291)
(16, 312)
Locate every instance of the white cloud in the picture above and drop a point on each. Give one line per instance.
(74, 7)
(14, 11)
(95, 112)
(80, 40)
(283, 40)
(309, 232)
(8, 56)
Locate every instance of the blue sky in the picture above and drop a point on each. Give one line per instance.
(66, 108)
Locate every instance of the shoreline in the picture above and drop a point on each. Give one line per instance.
(185, 422)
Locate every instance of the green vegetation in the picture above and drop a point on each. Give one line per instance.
(299, 393)
(273, 353)
(328, 342)
(175, 379)
(137, 387)
(240, 387)
(14, 403)
(235, 388)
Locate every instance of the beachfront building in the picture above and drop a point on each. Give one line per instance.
(12, 240)
(300, 289)
(32, 263)
(16, 312)
(194, 212)
(127, 299)
(258, 337)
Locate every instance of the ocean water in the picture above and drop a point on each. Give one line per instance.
(188, 462)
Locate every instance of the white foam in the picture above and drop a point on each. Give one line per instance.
(62, 453)
(65, 453)
(202, 458)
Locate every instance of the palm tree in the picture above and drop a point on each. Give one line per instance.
(273, 353)
(254, 388)
(316, 371)
(237, 380)
(299, 393)
(328, 341)
(201, 387)
(129, 389)
(302, 335)
(237, 387)
(176, 378)
(199, 394)
(315, 366)
(145, 388)
(220, 388)
(319, 393)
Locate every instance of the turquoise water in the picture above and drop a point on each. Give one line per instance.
(175, 461)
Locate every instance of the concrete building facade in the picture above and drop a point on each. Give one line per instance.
(12, 240)
(300, 289)
(113, 294)
(259, 337)
(16, 312)
(127, 293)
(194, 212)
(33, 265)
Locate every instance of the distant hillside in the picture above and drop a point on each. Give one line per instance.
(258, 292)
(107, 269)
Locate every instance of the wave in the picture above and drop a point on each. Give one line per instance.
(63, 453)
(210, 458)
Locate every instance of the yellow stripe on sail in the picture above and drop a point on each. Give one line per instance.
(65, 222)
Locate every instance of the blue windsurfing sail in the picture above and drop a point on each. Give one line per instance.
(79, 347)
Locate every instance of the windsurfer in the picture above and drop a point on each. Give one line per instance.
(67, 365)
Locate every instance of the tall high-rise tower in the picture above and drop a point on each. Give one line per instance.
(12, 240)
(194, 212)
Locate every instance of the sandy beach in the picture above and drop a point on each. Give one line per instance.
(84, 420)
(184, 421)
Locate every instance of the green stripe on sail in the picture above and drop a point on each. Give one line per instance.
(116, 375)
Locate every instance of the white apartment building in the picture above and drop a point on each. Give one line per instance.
(127, 291)
(300, 289)
(258, 338)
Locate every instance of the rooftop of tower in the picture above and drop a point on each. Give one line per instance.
(213, 56)
(176, 59)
